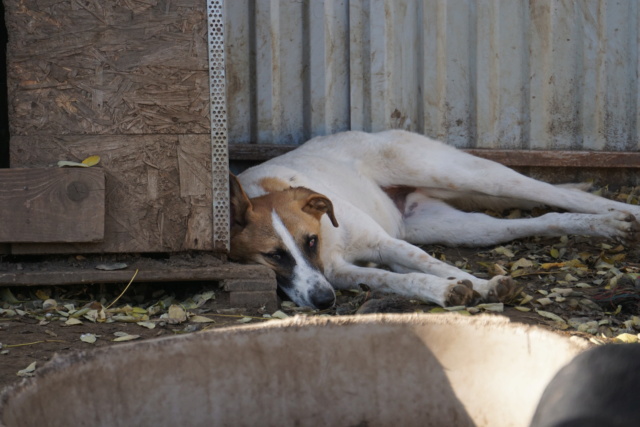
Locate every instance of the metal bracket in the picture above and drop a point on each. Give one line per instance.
(218, 113)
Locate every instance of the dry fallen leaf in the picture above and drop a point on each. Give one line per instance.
(492, 306)
(201, 319)
(123, 336)
(148, 325)
(501, 250)
(627, 338)
(73, 321)
(176, 314)
(63, 163)
(91, 160)
(280, 315)
(28, 371)
(522, 263)
(88, 338)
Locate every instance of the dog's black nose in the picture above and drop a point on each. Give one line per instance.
(323, 299)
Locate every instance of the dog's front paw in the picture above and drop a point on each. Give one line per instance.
(461, 293)
(627, 226)
(501, 289)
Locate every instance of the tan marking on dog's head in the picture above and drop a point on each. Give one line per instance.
(282, 231)
(252, 233)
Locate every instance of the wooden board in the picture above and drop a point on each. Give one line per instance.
(52, 205)
(158, 189)
(253, 273)
(511, 158)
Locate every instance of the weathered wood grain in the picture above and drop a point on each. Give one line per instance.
(158, 190)
(512, 158)
(217, 272)
(52, 205)
(116, 67)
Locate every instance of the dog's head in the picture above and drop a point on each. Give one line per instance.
(282, 231)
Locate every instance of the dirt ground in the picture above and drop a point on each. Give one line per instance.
(574, 285)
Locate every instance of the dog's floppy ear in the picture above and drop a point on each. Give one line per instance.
(239, 203)
(317, 204)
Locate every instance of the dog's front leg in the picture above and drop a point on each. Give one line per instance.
(426, 287)
(403, 257)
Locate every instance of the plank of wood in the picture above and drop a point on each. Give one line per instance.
(52, 205)
(512, 158)
(220, 272)
(561, 159)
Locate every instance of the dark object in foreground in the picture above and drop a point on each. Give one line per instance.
(600, 387)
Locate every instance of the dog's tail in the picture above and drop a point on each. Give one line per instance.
(480, 202)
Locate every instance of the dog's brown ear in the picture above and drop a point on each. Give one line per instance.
(317, 205)
(239, 203)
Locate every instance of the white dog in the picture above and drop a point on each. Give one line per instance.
(322, 213)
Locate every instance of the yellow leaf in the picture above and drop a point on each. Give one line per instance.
(201, 319)
(91, 161)
(525, 299)
(550, 265)
(521, 263)
(554, 253)
(627, 338)
(501, 250)
(126, 337)
(43, 295)
(522, 308)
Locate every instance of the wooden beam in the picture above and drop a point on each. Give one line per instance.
(562, 159)
(52, 205)
(512, 158)
(156, 273)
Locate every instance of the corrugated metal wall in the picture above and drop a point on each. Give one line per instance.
(541, 74)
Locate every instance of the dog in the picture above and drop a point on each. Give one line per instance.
(347, 209)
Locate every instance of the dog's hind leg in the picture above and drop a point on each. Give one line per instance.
(429, 221)
(412, 160)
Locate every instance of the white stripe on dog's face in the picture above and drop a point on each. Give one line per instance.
(307, 286)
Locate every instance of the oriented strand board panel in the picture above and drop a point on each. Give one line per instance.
(114, 67)
(127, 81)
(158, 197)
(51, 205)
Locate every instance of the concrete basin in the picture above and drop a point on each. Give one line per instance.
(376, 370)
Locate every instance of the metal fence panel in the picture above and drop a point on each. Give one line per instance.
(544, 74)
